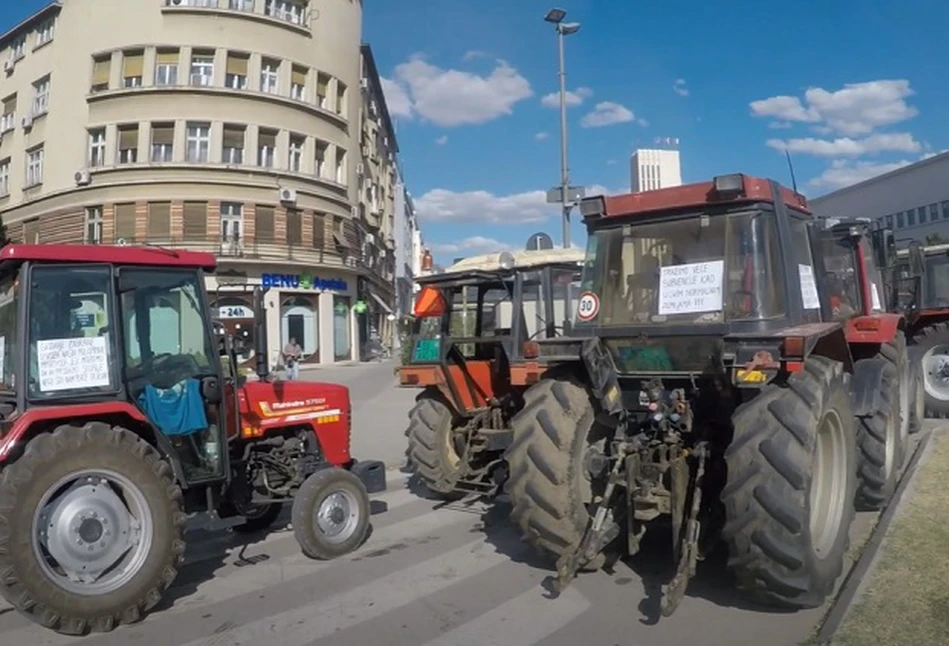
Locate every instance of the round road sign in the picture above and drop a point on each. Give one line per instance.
(588, 306)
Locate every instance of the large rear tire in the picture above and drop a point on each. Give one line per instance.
(790, 489)
(432, 453)
(549, 487)
(932, 343)
(85, 501)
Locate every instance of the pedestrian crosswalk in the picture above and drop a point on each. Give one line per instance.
(429, 575)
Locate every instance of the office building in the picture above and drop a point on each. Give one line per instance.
(652, 168)
(253, 129)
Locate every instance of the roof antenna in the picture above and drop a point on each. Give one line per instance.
(787, 154)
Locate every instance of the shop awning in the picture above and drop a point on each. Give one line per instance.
(381, 302)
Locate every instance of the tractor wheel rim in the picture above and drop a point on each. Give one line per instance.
(905, 387)
(337, 516)
(828, 493)
(936, 372)
(92, 532)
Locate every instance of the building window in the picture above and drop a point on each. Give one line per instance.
(269, 76)
(159, 221)
(133, 63)
(123, 224)
(194, 221)
(266, 148)
(319, 168)
(341, 98)
(5, 177)
(93, 225)
(922, 214)
(163, 139)
(45, 32)
(97, 147)
(241, 5)
(287, 10)
(232, 224)
(322, 90)
(945, 210)
(294, 227)
(166, 68)
(18, 48)
(199, 142)
(933, 212)
(202, 70)
(298, 84)
(233, 151)
(128, 144)
(319, 230)
(889, 222)
(8, 117)
(264, 227)
(34, 166)
(340, 165)
(900, 222)
(41, 96)
(31, 231)
(237, 71)
(295, 161)
(911, 218)
(101, 71)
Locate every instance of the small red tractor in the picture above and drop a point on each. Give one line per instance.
(710, 381)
(922, 287)
(123, 415)
(473, 356)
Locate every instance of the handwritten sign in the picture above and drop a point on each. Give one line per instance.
(809, 295)
(691, 288)
(66, 364)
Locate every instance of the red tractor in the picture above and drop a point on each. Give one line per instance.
(710, 381)
(120, 420)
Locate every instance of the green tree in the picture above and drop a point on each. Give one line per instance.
(934, 238)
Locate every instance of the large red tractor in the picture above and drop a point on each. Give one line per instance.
(120, 419)
(710, 381)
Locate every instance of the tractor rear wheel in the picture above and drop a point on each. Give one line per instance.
(790, 489)
(933, 346)
(432, 451)
(549, 485)
(883, 429)
(91, 529)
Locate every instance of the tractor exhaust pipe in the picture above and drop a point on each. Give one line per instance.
(260, 334)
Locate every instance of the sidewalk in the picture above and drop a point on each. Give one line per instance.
(904, 599)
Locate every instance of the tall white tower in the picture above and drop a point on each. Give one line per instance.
(652, 168)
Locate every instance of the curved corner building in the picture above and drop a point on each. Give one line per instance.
(243, 127)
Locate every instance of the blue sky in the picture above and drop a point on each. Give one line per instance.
(860, 91)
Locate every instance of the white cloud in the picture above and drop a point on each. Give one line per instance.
(471, 246)
(607, 113)
(572, 98)
(847, 147)
(642, 122)
(441, 141)
(679, 87)
(856, 109)
(397, 100)
(540, 136)
(780, 125)
(483, 207)
(843, 173)
(472, 54)
(449, 97)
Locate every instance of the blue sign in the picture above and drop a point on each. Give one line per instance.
(304, 281)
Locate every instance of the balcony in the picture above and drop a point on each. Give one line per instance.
(294, 16)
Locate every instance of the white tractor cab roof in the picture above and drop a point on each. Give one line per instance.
(511, 260)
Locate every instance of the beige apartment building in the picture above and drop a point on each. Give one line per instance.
(247, 128)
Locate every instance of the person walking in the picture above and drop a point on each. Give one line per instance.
(291, 359)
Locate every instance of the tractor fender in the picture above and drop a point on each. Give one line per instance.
(46, 418)
(866, 386)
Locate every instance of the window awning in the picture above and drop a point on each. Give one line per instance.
(381, 302)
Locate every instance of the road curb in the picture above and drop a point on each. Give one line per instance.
(860, 572)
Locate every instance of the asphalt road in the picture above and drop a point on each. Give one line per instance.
(428, 575)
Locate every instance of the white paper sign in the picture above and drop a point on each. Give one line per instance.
(691, 288)
(875, 297)
(65, 364)
(808, 287)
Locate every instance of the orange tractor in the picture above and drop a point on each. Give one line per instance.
(120, 420)
(473, 355)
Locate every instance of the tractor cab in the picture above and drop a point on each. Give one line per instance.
(101, 325)
(923, 272)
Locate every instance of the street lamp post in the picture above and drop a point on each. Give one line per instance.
(556, 17)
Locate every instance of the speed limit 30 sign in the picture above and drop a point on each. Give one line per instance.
(588, 307)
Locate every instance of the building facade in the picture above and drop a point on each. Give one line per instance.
(650, 169)
(913, 201)
(231, 126)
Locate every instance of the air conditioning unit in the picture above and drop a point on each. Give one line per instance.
(177, 3)
(26, 122)
(82, 177)
(360, 168)
(370, 239)
(364, 83)
(8, 66)
(354, 211)
(288, 195)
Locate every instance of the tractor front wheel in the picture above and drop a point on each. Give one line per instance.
(551, 491)
(330, 514)
(432, 450)
(91, 529)
(932, 346)
(791, 484)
